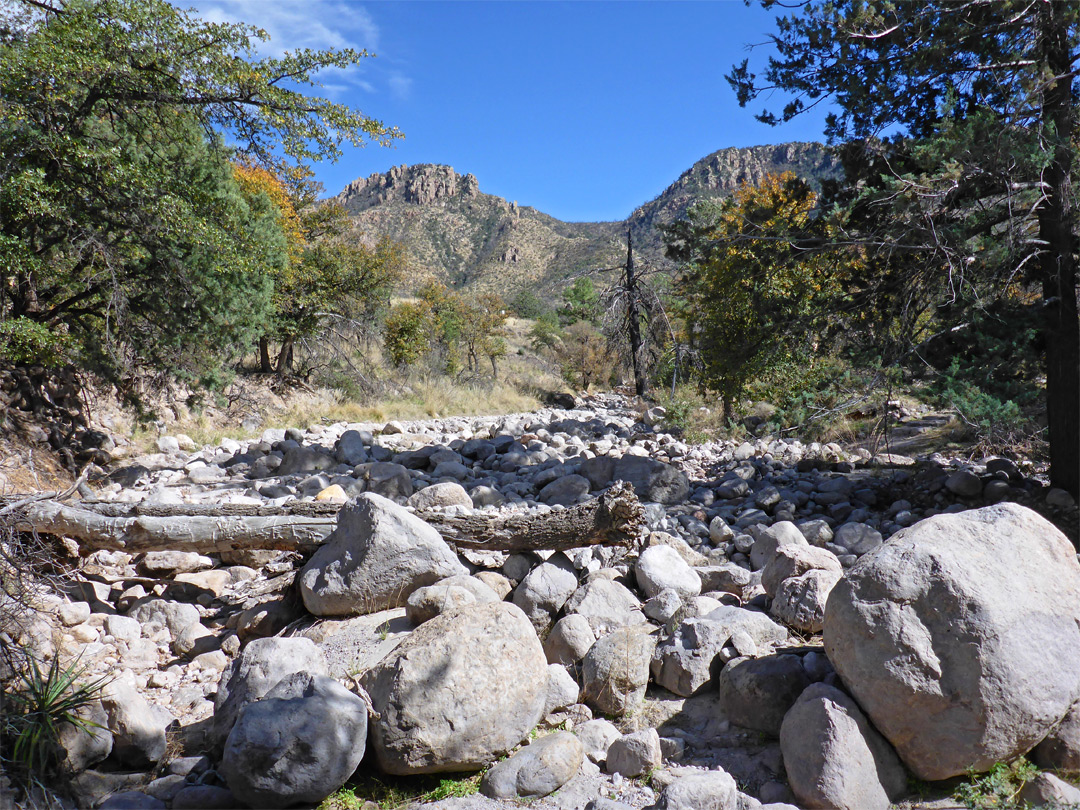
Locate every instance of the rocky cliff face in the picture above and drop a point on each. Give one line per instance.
(458, 235)
(418, 185)
(719, 174)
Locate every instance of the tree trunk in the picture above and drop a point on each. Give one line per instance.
(614, 518)
(285, 356)
(264, 355)
(633, 314)
(1057, 264)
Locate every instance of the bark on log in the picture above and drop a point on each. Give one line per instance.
(616, 517)
(205, 534)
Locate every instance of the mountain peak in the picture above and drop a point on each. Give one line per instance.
(454, 233)
(421, 184)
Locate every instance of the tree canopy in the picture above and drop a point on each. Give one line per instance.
(754, 296)
(958, 123)
(126, 241)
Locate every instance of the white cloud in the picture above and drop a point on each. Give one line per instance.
(400, 85)
(298, 23)
(317, 24)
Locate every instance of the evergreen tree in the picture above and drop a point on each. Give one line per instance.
(972, 193)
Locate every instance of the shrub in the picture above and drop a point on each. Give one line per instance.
(38, 702)
(997, 424)
(998, 788)
(408, 333)
(527, 304)
(584, 356)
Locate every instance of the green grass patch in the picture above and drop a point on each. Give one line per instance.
(396, 792)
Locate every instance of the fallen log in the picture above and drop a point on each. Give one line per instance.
(206, 534)
(616, 517)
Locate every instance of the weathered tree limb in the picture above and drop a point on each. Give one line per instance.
(205, 534)
(614, 518)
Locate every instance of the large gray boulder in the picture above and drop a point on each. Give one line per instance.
(960, 637)
(605, 605)
(304, 460)
(759, 627)
(598, 471)
(652, 480)
(384, 478)
(635, 753)
(689, 659)
(566, 491)
(834, 757)
(458, 692)
(378, 555)
(351, 448)
(300, 743)
(562, 690)
(792, 560)
(545, 589)
(1047, 790)
(615, 671)
(176, 616)
(757, 692)
(84, 745)
(597, 736)
(257, 670)
(800, 601)
(137, 726)
(769, 539)
(428, 602)
(705, 790)
(569, 640)
(538, 769)
(661, 567)
(447, 493)
(445, 595)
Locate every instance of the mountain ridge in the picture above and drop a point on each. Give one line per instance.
(456, 234)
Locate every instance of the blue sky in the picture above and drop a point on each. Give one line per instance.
(584, 110)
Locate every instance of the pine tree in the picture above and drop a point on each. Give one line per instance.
(965, 115)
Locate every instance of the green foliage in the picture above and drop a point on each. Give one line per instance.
(334, 277)
(408, 332)
(819, 394)
(998, 425)
(25, 341)
(970, 202)
(997, 350)
(122, 219)
(584, 357)
(527, 304)
(319, 275)
(581, 302)
(689, 415)
(38, 702)
(446, 324)
(997, 789)
(482, 319)
(544, 334)
(395, 793)
(753, 298)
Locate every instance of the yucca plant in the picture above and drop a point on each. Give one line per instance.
(37, 702)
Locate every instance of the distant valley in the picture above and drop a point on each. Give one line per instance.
(464, 238)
